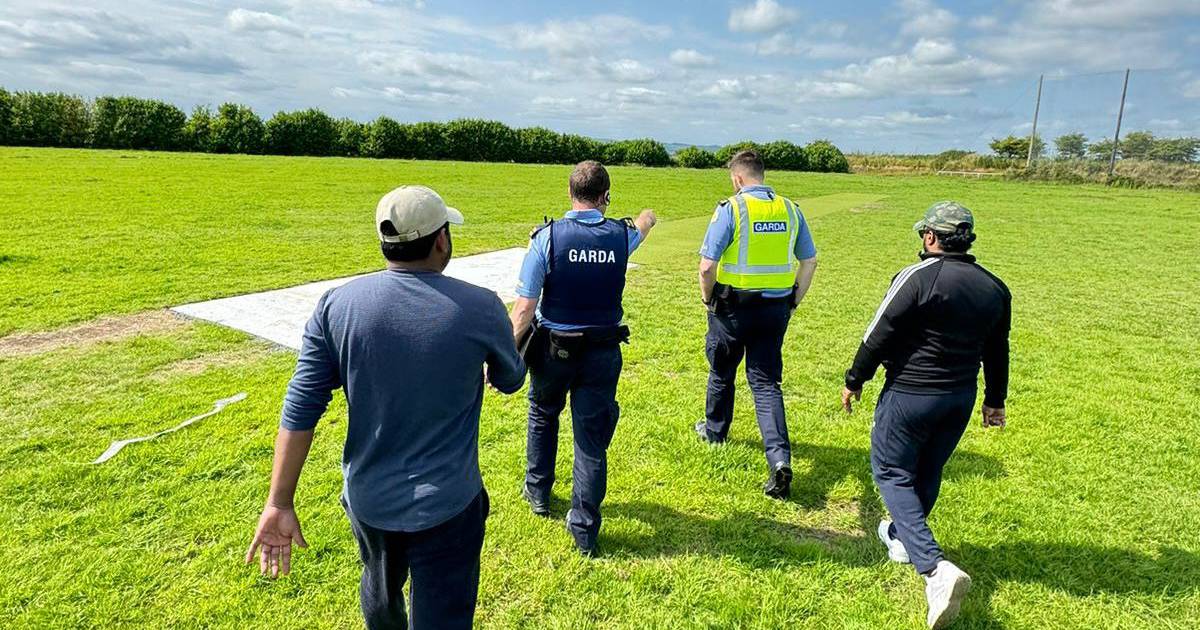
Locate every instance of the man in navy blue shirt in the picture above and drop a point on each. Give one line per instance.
(408, 346)
(577, 266)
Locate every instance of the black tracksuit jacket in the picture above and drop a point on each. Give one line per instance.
(940, 319)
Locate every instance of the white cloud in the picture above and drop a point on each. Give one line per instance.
(244, 20)
(764, 16)
(639, 95)
(423, 97)
(932, 66)
(688, 58)
(729, 88)
(785, 44)
(924, 18)
(1116, 14)
(628, 71)
(104, 71)
(578, 38)
(984, 22)
(1192, 90)
(892, 120)
(417, 63)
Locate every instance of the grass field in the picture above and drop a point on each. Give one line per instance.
(1083, 513)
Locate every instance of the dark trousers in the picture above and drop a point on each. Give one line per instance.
(443, 561)
(756, 332)
(590, 376)
(913, 438)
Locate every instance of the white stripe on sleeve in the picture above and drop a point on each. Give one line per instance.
(901, 278)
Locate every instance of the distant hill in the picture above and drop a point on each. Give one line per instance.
(674, 147)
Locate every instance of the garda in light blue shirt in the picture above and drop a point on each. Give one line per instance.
(720, 233)
(537, 263)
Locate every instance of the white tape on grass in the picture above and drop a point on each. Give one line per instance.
(280, 315)
(116, 447)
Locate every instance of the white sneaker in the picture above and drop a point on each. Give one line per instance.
(945, 589)
(896, 551)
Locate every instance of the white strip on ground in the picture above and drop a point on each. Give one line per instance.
(280, 315)
(116, 447)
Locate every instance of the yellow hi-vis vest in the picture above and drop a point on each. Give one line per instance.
(762, 254)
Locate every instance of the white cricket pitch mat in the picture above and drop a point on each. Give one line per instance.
(280, 315)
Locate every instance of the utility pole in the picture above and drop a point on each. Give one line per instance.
(1036, 110)
(1112, 160)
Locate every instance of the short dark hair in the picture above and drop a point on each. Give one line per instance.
(589, 181)
(956, 242)
(410, 251)
(748, 162)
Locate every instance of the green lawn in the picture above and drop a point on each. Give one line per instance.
(1084, 512)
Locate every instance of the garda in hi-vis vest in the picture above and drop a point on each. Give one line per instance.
(762, 254)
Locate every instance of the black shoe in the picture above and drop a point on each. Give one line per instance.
(779, 484)
(541, 507)
(702, 431)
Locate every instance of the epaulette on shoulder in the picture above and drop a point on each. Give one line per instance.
(723, 202)
(546, 224)
(628, 221)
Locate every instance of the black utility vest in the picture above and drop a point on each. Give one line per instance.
(587, 272)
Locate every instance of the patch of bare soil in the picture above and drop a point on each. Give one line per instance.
(93, 332)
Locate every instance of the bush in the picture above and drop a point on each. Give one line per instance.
(475, 140)
(237, 129)
(784, 156)
(305, 132)
(726, 153)
(576, 149)
(48, 120)
(823, 157)
(538, 145)
(198, 130)
(351, 138)
(644, 151)
(126, 122)
(695, 157)
(428, 141)
(6, 112)
(386, 138)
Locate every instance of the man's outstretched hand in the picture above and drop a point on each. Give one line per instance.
(278, 528)
(994, 417)
(847, 395)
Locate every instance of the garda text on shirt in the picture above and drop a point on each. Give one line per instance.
(591, 256)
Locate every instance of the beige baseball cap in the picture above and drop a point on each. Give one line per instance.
(415, 212)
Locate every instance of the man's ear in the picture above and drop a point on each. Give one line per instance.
(443, 240)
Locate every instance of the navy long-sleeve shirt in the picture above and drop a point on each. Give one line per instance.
(408, 348)
(940, 319)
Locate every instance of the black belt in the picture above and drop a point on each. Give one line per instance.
(565, 343)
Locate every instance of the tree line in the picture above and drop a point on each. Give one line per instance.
(125, 122)
(1136, 145)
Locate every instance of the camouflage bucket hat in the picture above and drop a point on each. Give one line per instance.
(945, 217)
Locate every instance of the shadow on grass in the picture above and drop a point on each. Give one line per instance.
(829, 465)
(1080, 570)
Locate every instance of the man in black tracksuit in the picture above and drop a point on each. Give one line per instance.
(940, 319)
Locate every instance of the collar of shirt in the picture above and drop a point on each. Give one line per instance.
(591, 214)
(963, 256)
(762, 191)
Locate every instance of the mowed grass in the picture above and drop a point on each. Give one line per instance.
(1083, 513)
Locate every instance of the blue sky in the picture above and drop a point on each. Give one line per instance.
(895, 75)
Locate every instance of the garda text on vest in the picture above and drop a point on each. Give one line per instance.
(592, 256)
(770, 226)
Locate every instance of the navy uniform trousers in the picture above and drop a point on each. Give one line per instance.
(443, 561)
(911, 441)
(590, 376)
(754, 331)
